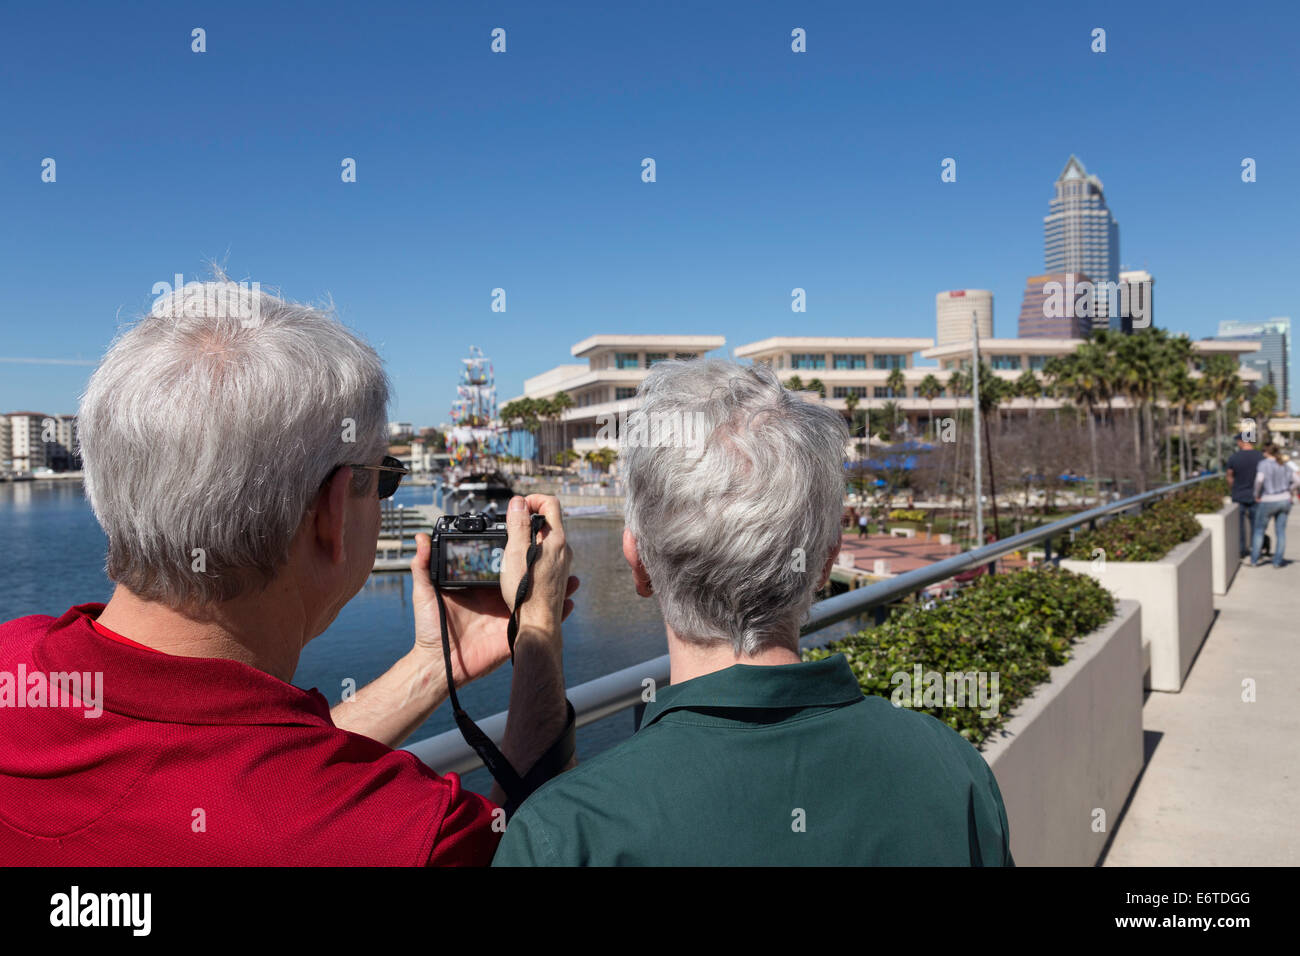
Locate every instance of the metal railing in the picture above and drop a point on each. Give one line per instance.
(599, 698)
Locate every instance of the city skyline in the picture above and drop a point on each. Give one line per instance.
(819, 171)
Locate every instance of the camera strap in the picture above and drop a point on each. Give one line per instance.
(558, 755)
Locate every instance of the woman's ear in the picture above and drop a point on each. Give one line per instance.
(643, 585)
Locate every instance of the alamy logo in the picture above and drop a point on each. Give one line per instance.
(222, 300)
(84, 689)
(922, 688)
(653, 430)
(1082, 300)
(103, 909)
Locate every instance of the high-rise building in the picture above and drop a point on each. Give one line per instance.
(1137, 305)
(1080, 235)
(6, 445)
(1057, 306)
(952, 314)
(1274, 336)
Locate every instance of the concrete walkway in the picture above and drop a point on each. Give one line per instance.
(1222, 776)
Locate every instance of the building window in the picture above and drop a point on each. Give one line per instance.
(1036, 362)
(685, 355)
(883, 391)
(652, 357)
(844, 391)
(808, 360)
(626, 360)
(621, 393)
(890, 361)
(1006, 361)
(850, 361)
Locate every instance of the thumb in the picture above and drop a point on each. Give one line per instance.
(516, 556)
(421, 583)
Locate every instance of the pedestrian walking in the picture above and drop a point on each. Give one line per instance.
(1274, 485)
(1241, 476)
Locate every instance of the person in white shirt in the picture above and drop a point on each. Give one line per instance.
(1274, 484)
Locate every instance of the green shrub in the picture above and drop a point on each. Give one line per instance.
(1202, 499)
(900, 514)
(1016, 625)
(1147, 536)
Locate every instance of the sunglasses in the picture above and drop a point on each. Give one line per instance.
(390, 474)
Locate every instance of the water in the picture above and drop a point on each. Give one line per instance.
(52, 557)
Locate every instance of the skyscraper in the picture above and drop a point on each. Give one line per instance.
(1053, 307)
(952, 314)
(1081, 235)
(1274, 336)
(1138, 310)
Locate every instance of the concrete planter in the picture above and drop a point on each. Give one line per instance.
(1225, 543)
(1073, 747)
(1177, 600)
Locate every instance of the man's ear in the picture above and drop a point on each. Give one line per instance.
(643, 585)
(331, 510)
(830, 563)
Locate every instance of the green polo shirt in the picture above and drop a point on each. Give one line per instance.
(756, 765)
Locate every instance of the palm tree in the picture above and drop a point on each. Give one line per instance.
(1135, 373)
(1262, 404)
(562, 402)
(1185, 394)
(546, 415)
(897, 386)
(1077, 377)
(794, 383)
(520, 415)
(851, 405)
(816, 385)
(1174, 356)
(930, 389)
(887, 415)
(1221, 382)
(601, 458)
(1027, 386)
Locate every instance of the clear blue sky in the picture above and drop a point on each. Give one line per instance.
(522, 170)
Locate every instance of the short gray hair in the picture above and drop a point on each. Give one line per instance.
(203, 428)
(734, 523)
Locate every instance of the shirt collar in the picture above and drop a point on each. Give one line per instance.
(166, 687)
(824, 683)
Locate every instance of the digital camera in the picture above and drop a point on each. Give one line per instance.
(468, 550)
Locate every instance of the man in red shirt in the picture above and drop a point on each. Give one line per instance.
(234, 454)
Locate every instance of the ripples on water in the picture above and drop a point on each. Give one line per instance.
(52, 557)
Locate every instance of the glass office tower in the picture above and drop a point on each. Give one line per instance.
(1081, 235)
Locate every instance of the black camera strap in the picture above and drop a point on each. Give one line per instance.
(558, 755)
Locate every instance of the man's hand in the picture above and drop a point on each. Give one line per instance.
(547, 603)
(477, 617)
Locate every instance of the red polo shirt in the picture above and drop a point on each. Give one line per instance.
(202, 761)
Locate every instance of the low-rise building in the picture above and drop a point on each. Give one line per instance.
(27, 446)
(605, 386)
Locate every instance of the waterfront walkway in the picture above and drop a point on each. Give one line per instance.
(1221, 775)
(906, 554)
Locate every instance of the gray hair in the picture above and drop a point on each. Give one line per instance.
(736, 511)
(211, 424)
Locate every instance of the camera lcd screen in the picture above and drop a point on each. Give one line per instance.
(471, 560)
